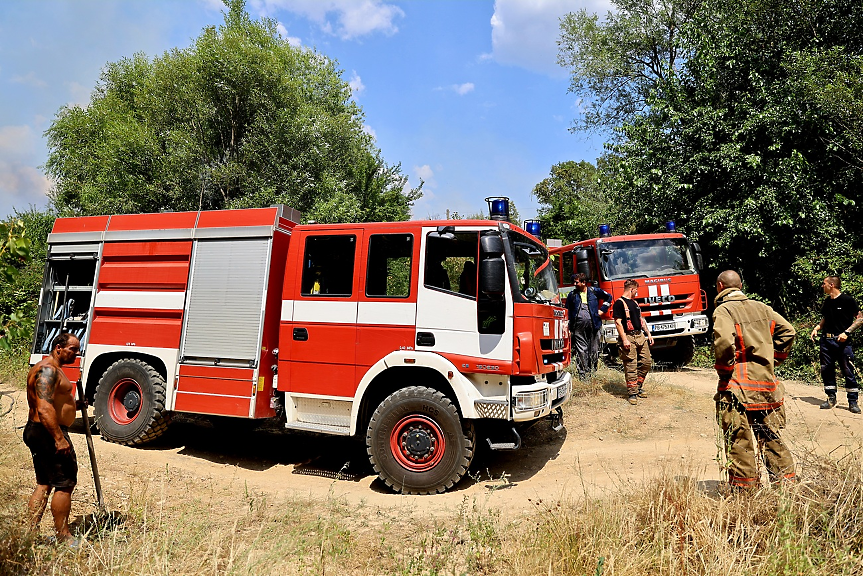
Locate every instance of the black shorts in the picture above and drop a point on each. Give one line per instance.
(52, 469)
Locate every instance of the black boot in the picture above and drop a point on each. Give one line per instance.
(853, 407)
(829, 403)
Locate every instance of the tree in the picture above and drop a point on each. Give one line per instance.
(744, 147)
(572, 202)
(239, 119)
(14, 254)
(618, 65)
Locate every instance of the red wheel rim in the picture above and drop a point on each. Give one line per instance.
(124, 401)
(417, 443)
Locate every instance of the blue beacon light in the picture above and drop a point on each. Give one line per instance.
(670, 226)
(604, 230)
(498, 208)
(533, 227)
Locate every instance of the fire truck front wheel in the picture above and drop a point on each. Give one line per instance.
(130, 403)
(417, 443)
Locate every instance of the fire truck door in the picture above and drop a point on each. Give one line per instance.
(323, 331)
(447, 316)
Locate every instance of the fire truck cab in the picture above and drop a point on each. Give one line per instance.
(422, 337)
(666, 266)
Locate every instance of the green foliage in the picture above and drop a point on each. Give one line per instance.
(239, 119)
(616, 66)
(15, 253)
(573, 202)
(742, 141)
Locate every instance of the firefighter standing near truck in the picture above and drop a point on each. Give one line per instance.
(51, 398)
(582, 304)
(749, 339)
(634, 339)
(841, 316)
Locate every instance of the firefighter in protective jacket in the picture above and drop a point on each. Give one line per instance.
(749, 340)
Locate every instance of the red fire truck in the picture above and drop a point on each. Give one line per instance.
(424, 337)
(670, 295)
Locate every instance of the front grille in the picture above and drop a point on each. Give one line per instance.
(680, 302)
(548, 359)
(551, 344)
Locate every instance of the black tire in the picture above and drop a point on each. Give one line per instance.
(402, 436)
(130, 403)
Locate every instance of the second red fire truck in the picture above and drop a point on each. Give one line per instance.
(666, 266)
(422, 337)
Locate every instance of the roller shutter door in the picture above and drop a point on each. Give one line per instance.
(226, 300)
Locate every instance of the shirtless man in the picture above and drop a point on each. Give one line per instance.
(52, 409)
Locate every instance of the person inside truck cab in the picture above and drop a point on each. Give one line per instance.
(436, 275)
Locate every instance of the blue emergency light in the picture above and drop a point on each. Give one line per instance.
(533, 227)
(604, 230)
(670, 226)
(498, 208)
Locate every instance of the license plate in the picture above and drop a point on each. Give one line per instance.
(663, 327)
(561, 391)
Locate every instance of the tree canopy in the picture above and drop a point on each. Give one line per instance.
(753, 145)
(239, 119)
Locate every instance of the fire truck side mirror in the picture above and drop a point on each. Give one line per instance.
(699, 259)
(491, 245)
(582, 262)
(492, 277)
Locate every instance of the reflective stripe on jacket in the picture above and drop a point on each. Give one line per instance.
(749, 340)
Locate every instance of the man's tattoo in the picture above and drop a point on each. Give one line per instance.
(858, 321)
(46, 382)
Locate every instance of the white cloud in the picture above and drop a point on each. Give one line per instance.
(426, 174)
(292, 40)
(17, 140)
(344, 18)
(79, 95)
(21, 185)
(524, 33)
(370, 131)
(356, 84)
(462, 89)
(30, 79)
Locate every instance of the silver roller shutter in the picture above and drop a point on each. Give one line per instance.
(225, 302)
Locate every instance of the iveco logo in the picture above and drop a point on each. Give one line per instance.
(658, 299)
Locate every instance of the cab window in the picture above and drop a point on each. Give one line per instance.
(450, 262)
(328, 266)
(388, 273)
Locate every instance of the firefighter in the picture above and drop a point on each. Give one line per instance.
(841, 316)
(51, 398)
(749, 339)
(634, 339)
(582, 304)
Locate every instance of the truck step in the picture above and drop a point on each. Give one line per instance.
(514, 445)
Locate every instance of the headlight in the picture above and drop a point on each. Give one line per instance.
(525, 401)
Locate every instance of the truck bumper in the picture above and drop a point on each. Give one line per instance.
(533, 401)
(684, 325)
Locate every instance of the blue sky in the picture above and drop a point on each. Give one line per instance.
(465, 94)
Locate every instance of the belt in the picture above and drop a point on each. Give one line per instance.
(831, 336)
(635, 333)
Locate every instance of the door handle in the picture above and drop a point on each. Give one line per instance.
(425, 339)
(301, 334)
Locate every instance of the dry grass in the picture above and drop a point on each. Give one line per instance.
(671, 524)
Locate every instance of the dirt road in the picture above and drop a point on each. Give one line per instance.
(606, 443)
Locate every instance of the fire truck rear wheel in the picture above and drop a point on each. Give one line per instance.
(417, 443)
(130, 403)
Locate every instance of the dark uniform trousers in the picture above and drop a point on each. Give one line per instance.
(833, 352)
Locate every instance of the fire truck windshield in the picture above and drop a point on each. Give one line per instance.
(646, 258)
(532, 270)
